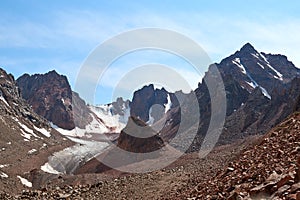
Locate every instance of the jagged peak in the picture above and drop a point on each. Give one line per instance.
(52, 72)
(248, 48)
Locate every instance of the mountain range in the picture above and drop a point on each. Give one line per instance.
(53, 134)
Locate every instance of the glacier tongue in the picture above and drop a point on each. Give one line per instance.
(67, 160)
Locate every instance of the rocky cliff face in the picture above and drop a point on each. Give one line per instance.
(144, 99)
(50, 96)
(150, 104)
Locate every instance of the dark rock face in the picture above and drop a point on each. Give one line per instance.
(81, 113)
(13, 105)
(144, 99)
(50, 96)
(137, 143)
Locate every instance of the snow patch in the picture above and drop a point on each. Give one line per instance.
(3, 175)
(263, 90)
(32, 151)
(151, 119)
(43, 131)
(255, 55)
(252, 84)
(103, 121)
(261, 65)
(25, 181)
(278, 74)
(168, 104)
(2, 166)
(265, 93)
(237, 62)
(94, 127)
(25, 135)
(116, 122)
(3, 99)
(28, 130)
(49, 169)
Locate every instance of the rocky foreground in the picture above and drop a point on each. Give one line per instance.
(269, 170)
(173, 182)
(256, 168)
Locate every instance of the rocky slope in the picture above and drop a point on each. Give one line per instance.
(173, 182)
(269, 170)
(26, 139)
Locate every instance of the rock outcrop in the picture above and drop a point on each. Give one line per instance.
(50, 96)
(138, 137)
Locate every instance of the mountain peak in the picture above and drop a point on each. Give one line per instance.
(53, 72)
(248, 48)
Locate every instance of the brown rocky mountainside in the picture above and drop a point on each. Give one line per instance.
(50, 96)
(268, 170)
(26, 139)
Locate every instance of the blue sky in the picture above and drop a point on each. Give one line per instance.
(38, 36)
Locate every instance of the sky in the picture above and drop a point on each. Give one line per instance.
(39, 36)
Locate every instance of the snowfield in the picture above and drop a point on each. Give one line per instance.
(103, 122)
